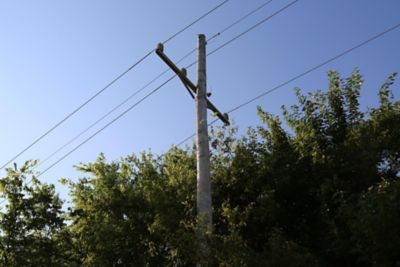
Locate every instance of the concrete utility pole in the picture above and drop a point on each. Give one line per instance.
(204, 208)
(199, 92)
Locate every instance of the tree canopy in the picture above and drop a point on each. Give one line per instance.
(319, 187)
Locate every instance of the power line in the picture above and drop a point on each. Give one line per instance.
(190, 65)
(219, 33)
(109, 113)
(247, 30)
(236, 38)
(134, 94)
(239, 20)
(109, 85)
(161, 74)
(76, 110)
(107, 125)
(254, 26)
(148, 95)
(99, 120)
(241, 105)
(100, 130)
(151, 82)
(266, 92)
(316, 67)
(195, 21)
(103, 117)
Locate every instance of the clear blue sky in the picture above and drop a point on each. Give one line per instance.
(56, 54)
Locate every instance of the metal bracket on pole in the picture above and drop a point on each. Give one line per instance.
(188, 84)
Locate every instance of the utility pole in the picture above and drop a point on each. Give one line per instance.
(199, 92)
(204, 202)
(204, 208)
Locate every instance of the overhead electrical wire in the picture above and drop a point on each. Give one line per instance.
(149, 83)
(219, 33)
(248, 30)
(108, 124)
(109, 85)
(130, 97)
(242, 104)
(268, 91)
(137, 103)
(218, 48)
(212, 52)
(75, 110)
(195, 21)
(254, 26)
(101, 129)
(105, 115)
(239, 20)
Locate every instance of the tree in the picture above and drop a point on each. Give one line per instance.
(319, 187)
(314, 195)
(32, 227)
(133, 212)
(304, 194)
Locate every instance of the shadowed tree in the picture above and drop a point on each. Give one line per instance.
(32, 227)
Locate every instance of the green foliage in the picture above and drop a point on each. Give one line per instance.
(376, 224)
(31, 223)
(135, 212)
(319, 189)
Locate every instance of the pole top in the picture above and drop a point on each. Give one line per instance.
(160, 47)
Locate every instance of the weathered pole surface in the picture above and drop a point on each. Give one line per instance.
(204, 209)
(204, 205)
